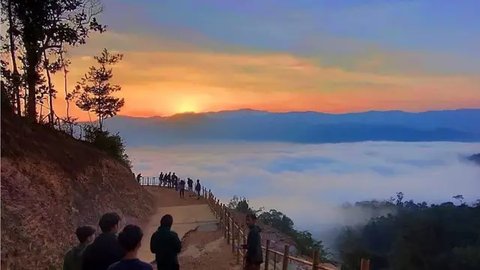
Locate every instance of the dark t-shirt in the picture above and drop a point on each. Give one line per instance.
(132, 264)
(104, 251)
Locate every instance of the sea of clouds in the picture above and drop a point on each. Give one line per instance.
(310, 182)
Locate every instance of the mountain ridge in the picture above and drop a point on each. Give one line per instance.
(299, 127)
(247, 110)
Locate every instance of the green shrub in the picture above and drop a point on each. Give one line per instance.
(112, 144)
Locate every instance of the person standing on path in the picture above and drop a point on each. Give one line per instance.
(254, 256)
(160, 179)
(190, 184)
(166, 245)
(182, 188)
(73, 258)
(198, 187)
(105, 250)
(175, 181)
(139, 178)
(130, 239)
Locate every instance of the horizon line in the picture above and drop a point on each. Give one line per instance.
(299, 111)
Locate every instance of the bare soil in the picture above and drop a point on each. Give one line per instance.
(206, 251)
(50, 184)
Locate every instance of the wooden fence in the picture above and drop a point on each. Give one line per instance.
(236, 236)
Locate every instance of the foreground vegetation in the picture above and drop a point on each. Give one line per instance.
(35, 45)
(416, 236)
(304, 241)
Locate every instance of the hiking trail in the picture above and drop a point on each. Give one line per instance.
(195, 224)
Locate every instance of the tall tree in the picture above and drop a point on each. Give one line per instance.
(69, 96)
(12, 36)
(48, 24)
(96, 90)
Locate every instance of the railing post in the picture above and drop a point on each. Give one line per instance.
(365, 264)
(233, 236)
(225, 226)
(274, 261)
(315, 260)
(267, 249)
(285, 258)
(238, 245)
(244, 251)
(227, 222)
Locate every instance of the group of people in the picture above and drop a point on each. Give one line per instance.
(171, 180)
(111, 252)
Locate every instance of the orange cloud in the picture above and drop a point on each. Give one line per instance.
(167, 81)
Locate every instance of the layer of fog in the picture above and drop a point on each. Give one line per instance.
(309, 183)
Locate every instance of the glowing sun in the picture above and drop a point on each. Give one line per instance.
(187, 106)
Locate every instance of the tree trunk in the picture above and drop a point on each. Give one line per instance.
(51, 115)
(67, 100)
(100, 123)
(31, 99)
(32, 78)
(16, 75)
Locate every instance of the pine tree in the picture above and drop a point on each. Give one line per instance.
(96, 90)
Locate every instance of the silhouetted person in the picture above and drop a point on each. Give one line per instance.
(190, 184)
(166, 245)
(198, 188)
(130, 239)
(160, 179)
(169, 179)
(175, 181)
(139, 177)
(105, 250)
(182, 188)
(254, 256)
(73, 258)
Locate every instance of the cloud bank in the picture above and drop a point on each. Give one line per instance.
(310, 182)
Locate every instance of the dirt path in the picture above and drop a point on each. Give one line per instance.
(206, 249)
(188, 214)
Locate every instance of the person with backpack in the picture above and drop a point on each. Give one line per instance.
(166, 245)
(254, 256)
(198, 188)
(130, 239)
(73, 258)
(105, 250)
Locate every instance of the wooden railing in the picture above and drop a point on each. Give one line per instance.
(236, 235)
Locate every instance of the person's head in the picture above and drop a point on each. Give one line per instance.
(109, 222)
(251, 219)
(198, 180)
(130, 238)
(166, 221)
(85, 234)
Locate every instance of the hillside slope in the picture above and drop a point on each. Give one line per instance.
(50, 185)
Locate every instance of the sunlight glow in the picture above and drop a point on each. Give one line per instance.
(186, 106)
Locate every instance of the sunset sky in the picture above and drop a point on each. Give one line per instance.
(298, 55)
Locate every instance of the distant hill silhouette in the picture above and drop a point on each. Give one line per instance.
(300, 127)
